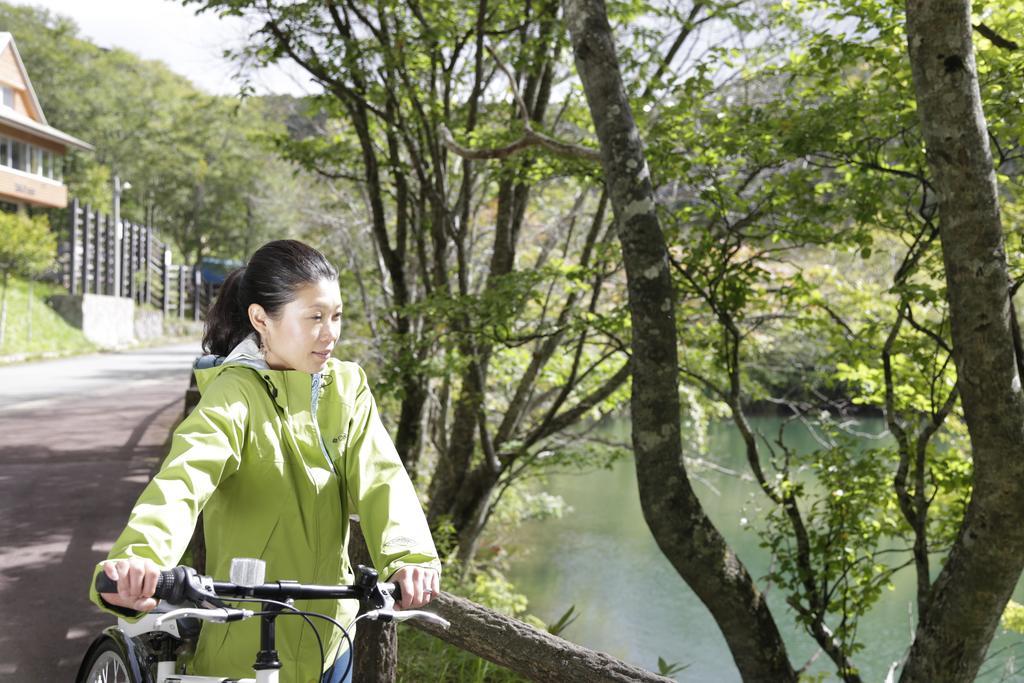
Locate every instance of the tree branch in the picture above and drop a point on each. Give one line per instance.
(530, 138)
(570, 416)
(996, 39)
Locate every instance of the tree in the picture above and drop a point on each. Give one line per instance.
(198, 164)
(27, 248)
(494, 315)
(985, 563)
(672, 511)
(835, 110)
(799, 216)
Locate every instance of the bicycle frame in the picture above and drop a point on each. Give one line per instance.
(154, 622)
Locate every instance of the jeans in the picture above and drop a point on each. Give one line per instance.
(333, 675)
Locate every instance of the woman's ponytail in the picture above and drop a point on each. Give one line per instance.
(227, 321)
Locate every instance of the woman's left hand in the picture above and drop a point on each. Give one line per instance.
(419, 586)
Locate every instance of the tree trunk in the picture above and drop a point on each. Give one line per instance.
(470, 508)
(3, 310)
(985, 562)
(683, 532)
(454, 465)
(31, 290)
(376, 644)
(457, 492)
(409, 435)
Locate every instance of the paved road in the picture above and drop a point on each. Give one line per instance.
(78, 439)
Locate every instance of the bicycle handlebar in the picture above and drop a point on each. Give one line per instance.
(183, 583)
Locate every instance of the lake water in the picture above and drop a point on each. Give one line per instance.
(632, 604)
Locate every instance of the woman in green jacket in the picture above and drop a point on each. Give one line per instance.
(284, 445)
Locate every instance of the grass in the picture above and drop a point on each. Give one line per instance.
(421, 657)
(44, 333)
(50, 335)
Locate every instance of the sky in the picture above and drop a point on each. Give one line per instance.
(190, 45)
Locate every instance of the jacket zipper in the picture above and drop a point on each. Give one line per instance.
(314, 399)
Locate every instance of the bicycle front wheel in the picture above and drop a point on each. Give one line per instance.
(106, 664)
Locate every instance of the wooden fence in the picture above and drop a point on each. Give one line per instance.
(89, 265)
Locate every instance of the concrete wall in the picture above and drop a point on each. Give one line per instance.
(105, 320)
(149, 324)
(183, 327)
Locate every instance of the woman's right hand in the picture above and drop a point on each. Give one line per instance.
(136, 582)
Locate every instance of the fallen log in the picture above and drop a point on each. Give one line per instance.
(524, 649)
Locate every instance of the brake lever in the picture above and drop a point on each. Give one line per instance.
(198, 589)
(388, 615)
(388, 597)
(219, 615)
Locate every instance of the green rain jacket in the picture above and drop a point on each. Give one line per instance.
(278, 483)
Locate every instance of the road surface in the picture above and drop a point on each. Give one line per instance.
(79, 438)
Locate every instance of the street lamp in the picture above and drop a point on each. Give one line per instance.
(118, 231)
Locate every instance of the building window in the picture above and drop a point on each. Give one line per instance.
(8, 96)
(31, 159)
(19, 156)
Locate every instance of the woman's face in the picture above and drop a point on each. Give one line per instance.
(302, 336)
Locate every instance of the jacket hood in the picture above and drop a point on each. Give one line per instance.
(247, 353)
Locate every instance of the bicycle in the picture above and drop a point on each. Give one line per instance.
(146, 651)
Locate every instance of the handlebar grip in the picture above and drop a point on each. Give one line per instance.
(105, 584)
(165, 584)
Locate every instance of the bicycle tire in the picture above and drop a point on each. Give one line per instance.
(107, 662)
